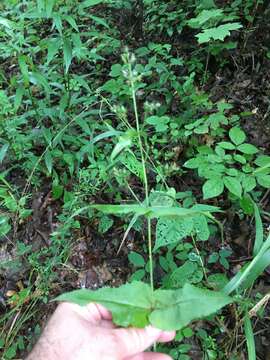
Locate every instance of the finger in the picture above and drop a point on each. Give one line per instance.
(166, 336)
(104, 313)
(95, 313)
(106, 324)
(150, 356)
(133, 341)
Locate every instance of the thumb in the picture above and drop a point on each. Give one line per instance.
(133, 341)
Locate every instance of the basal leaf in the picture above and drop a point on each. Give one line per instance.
(213, 187)
(136, 305)
(176, 309)
(129, 304)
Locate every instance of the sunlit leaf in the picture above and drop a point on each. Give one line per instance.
(67, 49)
(136, 305)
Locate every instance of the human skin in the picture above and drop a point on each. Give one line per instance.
(87, 333)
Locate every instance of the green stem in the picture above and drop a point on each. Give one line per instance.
(146, 187)
(151, 269)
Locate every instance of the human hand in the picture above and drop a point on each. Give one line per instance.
(87, 333)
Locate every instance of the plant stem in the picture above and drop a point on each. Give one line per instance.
(146, 188)
(139, 135)
(151, 270)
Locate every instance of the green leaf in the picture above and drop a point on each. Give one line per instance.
(57, 191)
(170, 230)
(259, 230)
(129, 160)
(129, 304)
(99, 21)
(232, 172)
(176, 309)
(151, 211)
(49, 7)
(24, 68)
(217, 33)
(160, 122)
(217, 281)
(90, 3)
(20, 91)
(233, 185)
(67, 49)
(105, 223)
(53, 48)
(205, 16)
(3, 152)
(181, 275)
(239, 158)
(213, 188)
(136, 259)
(237, 136)
(263, 161)
(136, 305)
(48, 161)
(193, 163)
(71, 22)
(248, 183)
(247, 205)
(226, 145)
(250, 271)
(264, 180)
(201, 228)
(138, 275)
(7, 23)
(247, 149)
(250, 338)
(123, 143)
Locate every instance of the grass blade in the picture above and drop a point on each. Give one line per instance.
(249, 338)
(259, 230)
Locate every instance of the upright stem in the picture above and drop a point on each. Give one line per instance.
(146, 188)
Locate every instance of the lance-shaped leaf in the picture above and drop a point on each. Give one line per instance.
(136, 305)
(129, 304)
(176, 309)
(153, 211)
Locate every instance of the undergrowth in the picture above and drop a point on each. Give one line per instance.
(109, 121)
